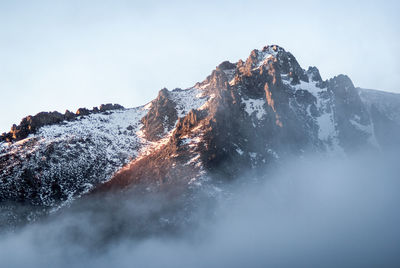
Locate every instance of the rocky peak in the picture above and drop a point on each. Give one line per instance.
(161, 117)
(273, 59)
(341, 84)
(313, 74)
(242, 116)
(226, 65)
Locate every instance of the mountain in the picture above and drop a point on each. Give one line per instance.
(243, 116)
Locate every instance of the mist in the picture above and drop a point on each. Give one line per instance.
(309, 212)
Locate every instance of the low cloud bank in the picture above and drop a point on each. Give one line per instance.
(312, 212)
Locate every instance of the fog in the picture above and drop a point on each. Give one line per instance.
(308, 212)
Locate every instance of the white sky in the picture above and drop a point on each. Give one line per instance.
(57, 55)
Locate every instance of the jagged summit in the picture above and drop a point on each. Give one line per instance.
(268, 59)
(244, 115)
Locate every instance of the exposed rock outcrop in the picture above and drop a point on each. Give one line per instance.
(243, 116)
(31, 124)
(161, 117)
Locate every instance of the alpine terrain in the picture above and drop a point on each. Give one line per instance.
(243, 116)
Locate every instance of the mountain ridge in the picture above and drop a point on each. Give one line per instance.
(243, 116)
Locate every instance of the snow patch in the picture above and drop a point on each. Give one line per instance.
(255, 106)
(309, 86)
(239, 151)
(187, 100)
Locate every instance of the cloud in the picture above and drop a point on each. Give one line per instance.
(311, 212)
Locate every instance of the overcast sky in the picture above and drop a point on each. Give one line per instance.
(57, 55)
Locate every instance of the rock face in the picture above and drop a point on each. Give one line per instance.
(243, 116)
(31, 124)
(161, 117)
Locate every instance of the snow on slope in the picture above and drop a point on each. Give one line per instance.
(71, 157)
(386, 102)
(254, 106)
(264, 56)
(105, 142)
(327, 132)
(75, 156)
(187, 100)
(325, 121)
(114, 132)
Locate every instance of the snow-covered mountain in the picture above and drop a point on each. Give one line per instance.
(243, 116)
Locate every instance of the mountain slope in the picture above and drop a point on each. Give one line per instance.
(244, 115)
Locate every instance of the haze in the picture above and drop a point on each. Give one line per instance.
(313, 212)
